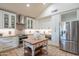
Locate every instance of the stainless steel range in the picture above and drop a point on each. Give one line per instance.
(21, 37)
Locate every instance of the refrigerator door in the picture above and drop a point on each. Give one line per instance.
(62, 35)
(78, 37)
(70, 37)
(73, 47)
(73, 38)
(67, 46)
(68, 31)
(74, 31)
(63, 31)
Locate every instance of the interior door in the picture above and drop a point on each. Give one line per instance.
(74, 31)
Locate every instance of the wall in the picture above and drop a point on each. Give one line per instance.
(60, 7)
(51, 19)
(55, 29)
(44, 23)
(52, 23)
(43, 31)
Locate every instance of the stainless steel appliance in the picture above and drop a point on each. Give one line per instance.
(21, 37)
(69, 36)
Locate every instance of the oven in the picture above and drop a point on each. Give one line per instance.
(21, 37)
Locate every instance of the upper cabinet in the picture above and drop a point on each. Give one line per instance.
(7, 20)
(29, 23)
(13, 23)
(24, 22)
(69, 15)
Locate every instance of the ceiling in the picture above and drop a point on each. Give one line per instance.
(20, 8)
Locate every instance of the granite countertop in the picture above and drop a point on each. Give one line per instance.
(8, 36)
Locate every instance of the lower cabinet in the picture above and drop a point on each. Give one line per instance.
(8, 43)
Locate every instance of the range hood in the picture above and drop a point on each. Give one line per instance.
(20, 19)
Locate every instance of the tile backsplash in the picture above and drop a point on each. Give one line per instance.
(42, 31)
(13, 32)
(7, 32)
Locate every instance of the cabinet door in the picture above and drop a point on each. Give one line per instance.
(74, 31)
(12, 21)
(28, 24)
(1, 20)
(31, 24)
(6, 20)
(25, 22)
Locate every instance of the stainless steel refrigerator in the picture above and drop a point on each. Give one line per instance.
(69, 36)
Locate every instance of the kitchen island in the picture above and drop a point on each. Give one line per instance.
(35, 44)
(8, 42)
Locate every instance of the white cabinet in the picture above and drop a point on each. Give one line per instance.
(69, 16)
(29, 23)
(14, 41)
(13, 21)
(7, 43)
(1, 20)
(7, 19)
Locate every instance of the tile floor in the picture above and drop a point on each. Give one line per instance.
(52, 51)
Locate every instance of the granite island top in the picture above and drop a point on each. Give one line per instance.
(34, 41)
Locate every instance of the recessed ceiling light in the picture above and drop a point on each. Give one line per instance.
(28, 5)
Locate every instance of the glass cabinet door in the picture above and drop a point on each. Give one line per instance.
(12, 21)
(31, 24)
(28, 24)
(6, 21)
